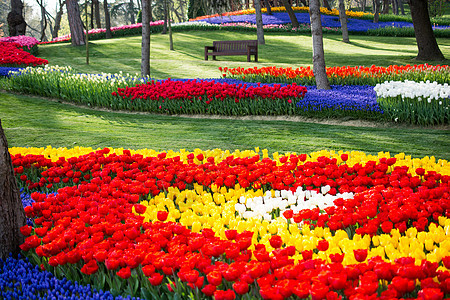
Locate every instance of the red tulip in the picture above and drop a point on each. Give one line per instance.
(156, 279)
(323, 245)
(90, 268)
(124, 273)
(276, 241)
(241, 287)
(360, 254)
(162, 215)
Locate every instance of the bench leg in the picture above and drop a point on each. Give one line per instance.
(214, 57)
(256, 57)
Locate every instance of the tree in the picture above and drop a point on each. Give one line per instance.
(376, 13)
(107, 19)
(95, 14)
(385, 7)
(12, 215)
(131, 12)
(291, 13)
(170, 7)
(43, 19)
(343, 20)
(75, 24)
(259, 23)
(318, 54)
(269, 9)
(16, 22)
(426, 41)
(326, 4)
(145, 47)
(58, 19)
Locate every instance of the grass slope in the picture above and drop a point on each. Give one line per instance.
(187, 61)
(40, 122)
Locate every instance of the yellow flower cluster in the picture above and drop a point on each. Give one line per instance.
(198, 209)
(354, 157)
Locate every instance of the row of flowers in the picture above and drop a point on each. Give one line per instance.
(323, 10)
(176, 222)
(334, 12)
(117, 31)
(102, 90)
(202, 96)
(345, 75)
(417, 102)
(20, 279)
(229, 96)
(353, 25)
(22, 40)
(13, 55)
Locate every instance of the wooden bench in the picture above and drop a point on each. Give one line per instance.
(244, 47)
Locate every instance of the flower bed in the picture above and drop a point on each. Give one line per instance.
(118, 31)
(102, 90)
(323, 10)
(415, 102)
(167, 223)
(22, 280)
(345, 75)
(12, 55)
(28, 43)
(202, 96)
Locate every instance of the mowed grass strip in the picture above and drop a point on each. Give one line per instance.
(36, 122)
(187, 61)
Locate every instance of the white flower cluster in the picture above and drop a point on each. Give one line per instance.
(266, 206)
(414, 90)
(197, 23)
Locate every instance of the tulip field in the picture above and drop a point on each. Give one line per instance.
(122, 223)
(238, 225)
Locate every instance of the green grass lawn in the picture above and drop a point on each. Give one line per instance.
(40, 122)
(187, 61)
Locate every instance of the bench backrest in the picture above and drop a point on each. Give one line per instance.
(233, 46)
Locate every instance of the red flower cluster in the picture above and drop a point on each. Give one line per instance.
(208, 91)
(12, 54)
(91, 221)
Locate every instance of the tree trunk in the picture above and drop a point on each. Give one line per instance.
(318, 54)
(426, 42)
(269, 9)
(92, 14)
(164, 31)
(343, 20)
(131, 9)
(16, 22)
(385, 7)
(291, 13)
(183, 14)
(75, 24)
(58, 20)
(395, 7)
(169, 6)
(12, 215)
(107, 19)
(43, 20)
(376, 14)
(98, 22)
(326, 4)
(145, 47)
(402, 9)
(259, 23)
